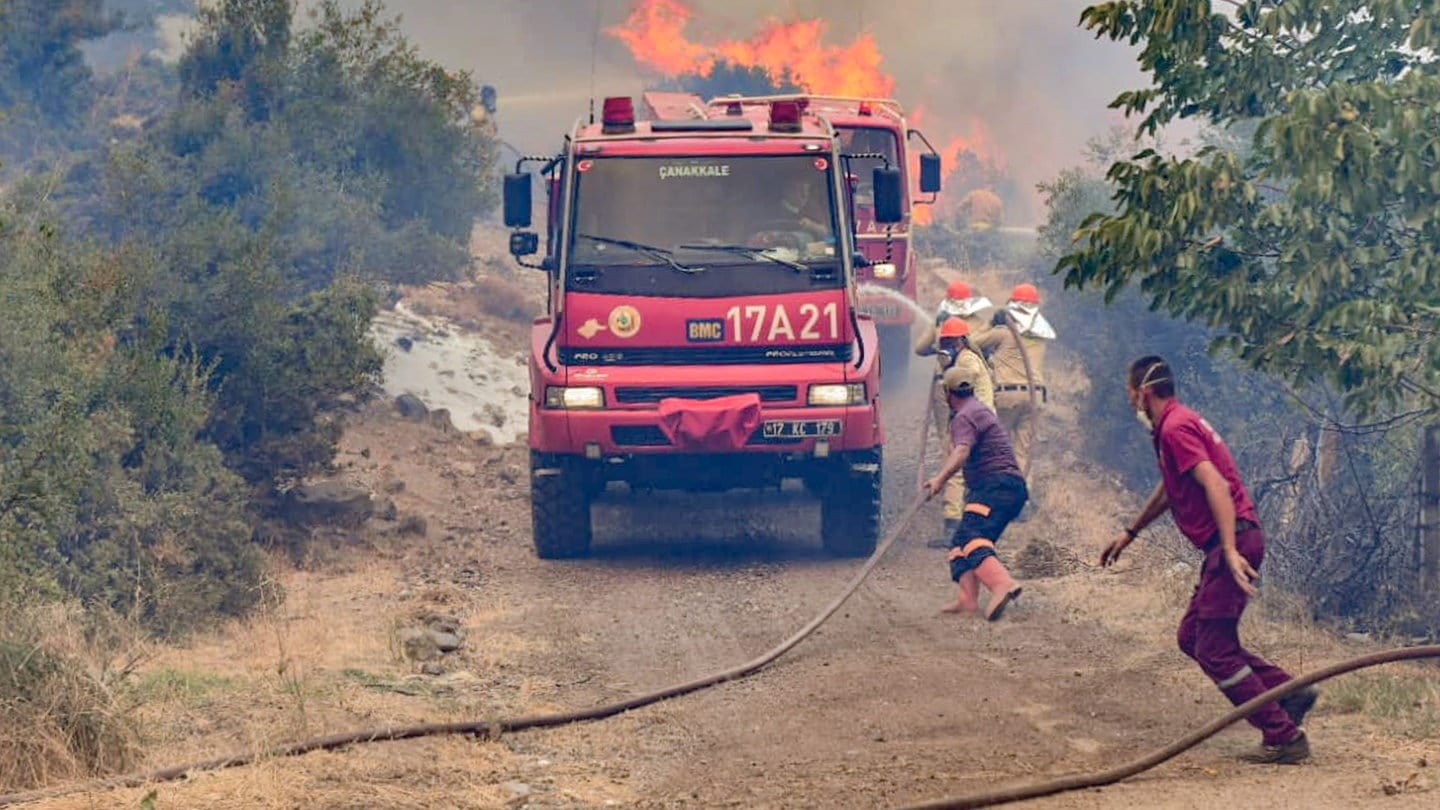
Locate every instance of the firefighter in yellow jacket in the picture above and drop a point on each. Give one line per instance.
(1013, 384)
(952, 349)
(960, 302)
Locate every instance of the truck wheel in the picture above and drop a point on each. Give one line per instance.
(850, 508)
(559, 507)
(895, 353)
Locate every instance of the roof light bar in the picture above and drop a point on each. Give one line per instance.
(784, 116)
(618, 115)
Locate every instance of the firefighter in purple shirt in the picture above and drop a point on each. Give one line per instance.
(994, 494)
(1200, 486)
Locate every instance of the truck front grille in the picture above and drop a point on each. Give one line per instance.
(636, 395)
(653, 436)
(638, 436)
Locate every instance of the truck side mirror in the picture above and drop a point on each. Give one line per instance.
(929, 173)
(517, 200)
(889, 196)
(524, 243)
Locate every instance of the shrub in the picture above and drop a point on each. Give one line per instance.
(61, 718)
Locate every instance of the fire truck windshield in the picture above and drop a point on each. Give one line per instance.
(738, 225)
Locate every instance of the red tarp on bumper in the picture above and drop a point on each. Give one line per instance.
(710, 425)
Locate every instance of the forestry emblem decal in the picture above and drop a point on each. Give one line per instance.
(625, 321)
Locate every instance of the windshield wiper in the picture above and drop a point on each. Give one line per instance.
(750, 252)
(657, 253)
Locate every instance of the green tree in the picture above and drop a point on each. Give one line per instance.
(45, 86)
(107, 490)
(725, 78)
(1311, 253)
(298, 161)
(414, 130)
(1300, 236)
(239, 44)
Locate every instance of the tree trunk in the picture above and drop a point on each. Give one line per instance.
(1430, 512)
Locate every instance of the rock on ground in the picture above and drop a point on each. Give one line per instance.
(328, 503)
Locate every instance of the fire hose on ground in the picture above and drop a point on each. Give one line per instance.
(1083, 781)
(494, 728)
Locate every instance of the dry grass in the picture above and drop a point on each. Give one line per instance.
(497, 306)
(1041, 558)
(442, 772)
(503, 298)
(1405, 699)
(59, 710)
(328, 621)
(468, 304)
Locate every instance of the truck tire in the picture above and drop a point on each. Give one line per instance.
(559, 507)
(850, 507)
(895, 353)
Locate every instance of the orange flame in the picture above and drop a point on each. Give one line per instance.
(655, 34)
(976, 143)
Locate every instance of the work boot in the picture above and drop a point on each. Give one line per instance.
(967, 595)
(944, 542)
(1003, 589)
(1291, 753)
(1298, 704)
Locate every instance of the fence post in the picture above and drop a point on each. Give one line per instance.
(1430, 511)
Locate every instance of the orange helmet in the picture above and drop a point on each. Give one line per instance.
(954, 328)
(1025, 294)
(957, 291)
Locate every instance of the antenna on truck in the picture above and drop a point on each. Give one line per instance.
(594, 45)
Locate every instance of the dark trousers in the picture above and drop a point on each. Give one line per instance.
(1210, 634)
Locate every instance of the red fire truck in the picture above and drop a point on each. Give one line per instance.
(875, 127)
(703, 331)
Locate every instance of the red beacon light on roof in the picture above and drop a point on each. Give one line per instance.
(784, 116)
(865, 108)
(617, 115)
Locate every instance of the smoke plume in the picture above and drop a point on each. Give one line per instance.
(1021, 72)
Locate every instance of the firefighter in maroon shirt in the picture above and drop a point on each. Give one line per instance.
(1201, 487)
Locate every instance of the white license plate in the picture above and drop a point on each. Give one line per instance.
(800, 429)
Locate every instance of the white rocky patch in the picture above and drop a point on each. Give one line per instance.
(448, 367)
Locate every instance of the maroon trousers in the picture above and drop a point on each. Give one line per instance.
(1210, 634)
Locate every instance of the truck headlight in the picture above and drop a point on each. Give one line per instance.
(885, 270)
(570, 399)
(836, 394)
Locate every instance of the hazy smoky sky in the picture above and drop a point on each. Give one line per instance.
(1040, 83)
